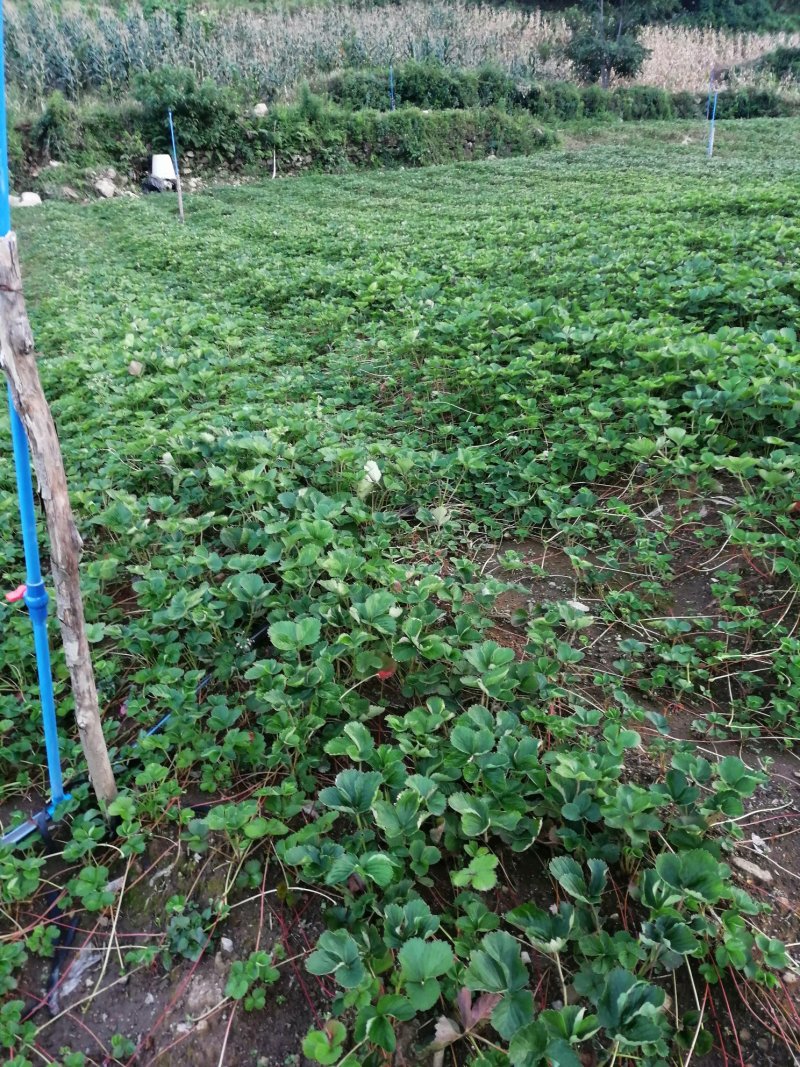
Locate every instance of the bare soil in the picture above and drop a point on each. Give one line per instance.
(180, 1016)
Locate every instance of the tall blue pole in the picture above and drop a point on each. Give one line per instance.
(175, 165)
(5, 205)
(36, 600)
(711, 126)
(391, 87)
(172, 138)
(35, 593)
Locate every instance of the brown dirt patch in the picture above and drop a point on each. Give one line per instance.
(180, 1016)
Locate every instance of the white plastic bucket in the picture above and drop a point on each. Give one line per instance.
(161, 167)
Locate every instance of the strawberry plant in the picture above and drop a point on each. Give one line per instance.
(438, 498)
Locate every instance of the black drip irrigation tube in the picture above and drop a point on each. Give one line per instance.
(41, 821)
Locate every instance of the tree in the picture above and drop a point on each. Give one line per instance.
(605, 37)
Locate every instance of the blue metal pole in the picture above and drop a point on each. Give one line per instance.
(35, 594)
(5, 205)
(175, 165)
(36, 600)
(711, 129)
(391, 87)
(172, 138)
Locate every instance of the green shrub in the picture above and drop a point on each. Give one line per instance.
(113, 131)
(55, 132)
(595, 101)
(310, 106)
(357, 89)
(407, 136)
(688, 105)
(782, 62)
(567, 100)
(432, 85)
(287, 132)
(95, 133)
(536, 99)
(641, 102)
(207, 116)
(554, 100)
(429, 85)
(752, 103)
(495, 87)
(16, 151)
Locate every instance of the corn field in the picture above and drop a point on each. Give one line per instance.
(681, 57)
(100, 51)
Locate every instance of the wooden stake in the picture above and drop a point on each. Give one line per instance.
(180, 193)
(18, 362)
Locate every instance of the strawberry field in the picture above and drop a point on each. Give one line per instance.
(442, 572)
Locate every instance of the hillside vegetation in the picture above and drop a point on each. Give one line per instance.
(751, 15)
(101, 51)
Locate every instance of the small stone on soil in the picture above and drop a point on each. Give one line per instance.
(203, 994)
(752, 869)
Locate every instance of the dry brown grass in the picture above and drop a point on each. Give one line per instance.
(79, 50)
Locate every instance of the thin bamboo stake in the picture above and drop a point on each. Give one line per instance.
(180, 194)
(176, 164)
(18, 362)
